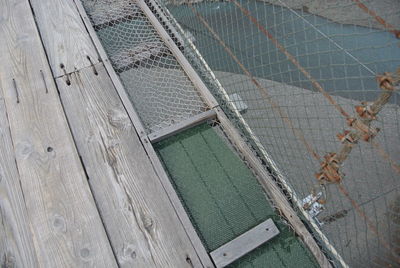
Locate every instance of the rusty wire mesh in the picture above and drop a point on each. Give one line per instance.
(318, 83)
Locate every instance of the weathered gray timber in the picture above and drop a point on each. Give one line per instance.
(65, 225)
(64, 36)
(16, 244)
(142, 224)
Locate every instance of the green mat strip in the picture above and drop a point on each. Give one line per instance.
(224, 199)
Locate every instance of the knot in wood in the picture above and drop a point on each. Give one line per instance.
(118, 119)
(59, 224)
(85, 253)
(148, 223)
(128, 254)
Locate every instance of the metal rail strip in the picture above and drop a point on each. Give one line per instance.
(139, 127)
(266, 180)
(282, 179)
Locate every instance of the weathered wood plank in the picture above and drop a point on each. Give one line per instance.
(181, 126)
(64, 35)
(244, 243)
(264, 178)
(66, 228)
(197, 243)
(141, 222)
(16, 244)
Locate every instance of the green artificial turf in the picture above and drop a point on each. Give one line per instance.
(224, 199)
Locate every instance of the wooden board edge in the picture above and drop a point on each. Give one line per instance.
(140, 129)
(273, 191)
(244, 243)
(266, 181)
(181, 126)
(187, 67)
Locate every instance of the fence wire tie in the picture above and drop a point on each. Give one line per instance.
(364, 111)
(346, 136)
(329, 169)
(361, 130)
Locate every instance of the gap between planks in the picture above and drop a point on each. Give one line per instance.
(52, 179)
(122, 178)
(157, 165)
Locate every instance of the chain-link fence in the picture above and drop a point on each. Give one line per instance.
(313, 84)
(156, 84)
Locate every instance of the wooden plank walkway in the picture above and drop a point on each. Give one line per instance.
(88, 199)
(64, 36)
(53, 181)
(142, 225)
(16, 244)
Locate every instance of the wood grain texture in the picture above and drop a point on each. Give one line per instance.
(244, 243)
(265, 179)
(142, 224)
(16, 244)
(64, 35)
(187, 67)
(181, 126)
(66, 228)
(138, 125)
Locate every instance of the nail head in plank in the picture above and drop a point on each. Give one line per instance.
(63, 218)
(64, 35)
(244, 243)
(123, 180)
(158, 166)
(181, 126)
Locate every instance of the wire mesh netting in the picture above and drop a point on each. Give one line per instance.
(315, 86)
(223, 197)
(312, 84)
(155, 82)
